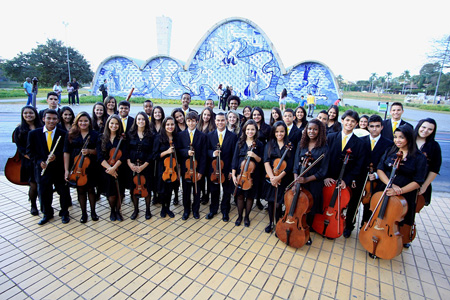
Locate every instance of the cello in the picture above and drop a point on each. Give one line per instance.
(380, 235)
(78, 176)
(139, 182)
(12, 168)
(331, 222)
(244, 179)
(292, 228)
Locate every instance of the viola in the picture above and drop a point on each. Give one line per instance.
(78, 175)
(331, 222)
(292, 228)
(244, 179)
(191, 169)
(279, 164)
(217, 166)
(12, 168)
(139, 182)
(169, 174)
(380, 234)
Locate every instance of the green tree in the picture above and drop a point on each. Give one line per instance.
(372, 79)
(48, 62)
(340, 81)
(388, 78)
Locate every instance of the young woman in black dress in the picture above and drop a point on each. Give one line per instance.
(242, 150)
(410, 174)
(67, 117)
(300, 117)
(78, 135)
(274, 149)
(180, 120)
(140, 148)
(425, 132)
(99, 117)
(206, 124)
(164, 144)
(111, 106)
(110, 139)
(314, 141)
(333, 124)
(247, 115)
(29, 121)
(156, 121)
(275, 116)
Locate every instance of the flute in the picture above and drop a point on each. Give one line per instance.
(51, 153)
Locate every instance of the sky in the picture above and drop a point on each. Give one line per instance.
(353, 38)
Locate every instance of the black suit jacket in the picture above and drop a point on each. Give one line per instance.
(130, 122)
(375, 155)
(336, 156)
(227, 149)
(200, 145)
(38, 152)
(387, 128)
(295, 135)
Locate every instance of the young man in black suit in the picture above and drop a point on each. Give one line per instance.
(185, 101)
(394, 122)
(227, 141)
(41, 142)
(338, 143)
(375, 146)
(198, 140)
(294, 133)
(52, 101)
(233, 104)
(124, 111)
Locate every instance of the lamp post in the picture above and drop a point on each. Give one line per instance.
(67, 50)
(440, 72)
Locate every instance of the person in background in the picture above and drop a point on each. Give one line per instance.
(311, 100)
(148, 108)
(58, 90)
(34, 90)
(70, 94)
(28, 87)
(362, 128)
(75, 86)
(210, 103)
(337, 102)
(219, 95)
(394, 122)
(104, 89)
(322, 116)
(303, 102)
(225, 95)
(282, 100)
(185, 101)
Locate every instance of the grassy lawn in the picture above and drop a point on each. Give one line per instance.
(374, 96)
(20, 93)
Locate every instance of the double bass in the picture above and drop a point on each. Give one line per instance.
(292, 228)
(78, 175)
(12, 168)
(244, 179)
(331, 222)
(380, 235)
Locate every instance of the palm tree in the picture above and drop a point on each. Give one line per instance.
(372, 78)
(388, 76)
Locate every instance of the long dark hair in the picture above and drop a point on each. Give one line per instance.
(134, 128)
(408, 132)
(178, 110)
(243, 137)
(261, 112)
(75, 130)
(303, 121)
(63, 109)
(24, 128)
(336, 109)
(321, 137)
(273, 139)
(95, 118)
(432, 135)
(164, 138)
(283, 93)
(107, 100)
(212, 122)
(280, 115)
(163, 116)
(107, 133)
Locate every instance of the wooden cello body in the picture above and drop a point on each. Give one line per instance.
(380, 235)
(12, 168)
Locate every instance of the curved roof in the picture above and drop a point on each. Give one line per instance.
(228, 20)
(316, 62)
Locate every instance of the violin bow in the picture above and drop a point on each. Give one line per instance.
(305, 171)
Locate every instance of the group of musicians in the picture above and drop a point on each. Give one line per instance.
(214, 156)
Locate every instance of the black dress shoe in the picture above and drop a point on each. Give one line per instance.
(94, 216)
(209, 216)
(84, 218)
(185, 216)
(246, 222)
(407, 245)
(112, 216)
(269, 228)
(225, 218)
(163, 212)
(45, 219)
(148, 214)
(134, 214)
(259, 205)
(204, 201)
(170, 213)
(34, 211)
(347, 232)
(309, 242)
(238, 221)
(196, 215)
(65, 219)
(175, 201)
(372, 256)
(119, 216)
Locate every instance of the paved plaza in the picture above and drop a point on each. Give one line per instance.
(205, 259)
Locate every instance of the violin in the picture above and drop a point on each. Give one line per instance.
(191, 169)
(115, 153)
(380, 235)
(169, 174)
(12, 168)
(139, 182)
(217, 166)
(78, 176)
(279, 164)
(292, 229)
(244, 179)
(331, 222)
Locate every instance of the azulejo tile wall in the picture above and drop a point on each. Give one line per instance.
(233, 52)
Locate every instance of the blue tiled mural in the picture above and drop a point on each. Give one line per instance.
(234, 52)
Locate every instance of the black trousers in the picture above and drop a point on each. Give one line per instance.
(188, 190)
(215, 197)
(45, 193)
